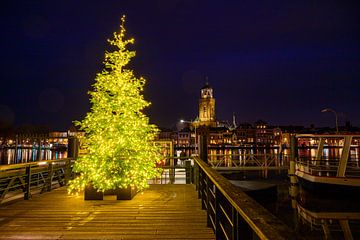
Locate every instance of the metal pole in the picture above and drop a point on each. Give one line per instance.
(196, 175)
(72, 147)
(27, 194)
(49, 177)
(336, 117)
(294, 188)
(203, 148)
(67, 171)
(188, 171)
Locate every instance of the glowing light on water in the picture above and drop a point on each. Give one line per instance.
(25, 155)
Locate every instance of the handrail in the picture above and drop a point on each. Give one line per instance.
(262, 223)
(37, 163)
(23, 179)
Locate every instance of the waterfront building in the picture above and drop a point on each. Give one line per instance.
(220, 134)
(184, 138)
(167, 134)
(245, 135)
(216, 136)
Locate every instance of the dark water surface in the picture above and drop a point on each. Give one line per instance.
(311, 215)
(25, 155)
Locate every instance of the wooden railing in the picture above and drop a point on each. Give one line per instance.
(179, 171)
(328, 167)
(249, 161)
(231, 213)
(25, 179)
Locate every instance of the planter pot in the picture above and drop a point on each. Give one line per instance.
(91, 193)
(122, 193)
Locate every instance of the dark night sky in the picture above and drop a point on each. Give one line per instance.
(281, 61)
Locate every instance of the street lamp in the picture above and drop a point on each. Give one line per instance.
(191, 122)
(336, 117)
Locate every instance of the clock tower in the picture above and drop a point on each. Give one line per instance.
(207, 106)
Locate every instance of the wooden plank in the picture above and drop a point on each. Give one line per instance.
(160, 212)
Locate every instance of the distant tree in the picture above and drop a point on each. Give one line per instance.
(118, 136)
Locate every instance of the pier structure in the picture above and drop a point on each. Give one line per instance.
(195, 203)
(324, 168)
(190, 200)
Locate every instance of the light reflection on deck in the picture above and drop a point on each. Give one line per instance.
(161, 212)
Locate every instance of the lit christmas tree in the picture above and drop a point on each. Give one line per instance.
(118, 136)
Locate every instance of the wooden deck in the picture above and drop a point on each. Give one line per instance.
(160, 212)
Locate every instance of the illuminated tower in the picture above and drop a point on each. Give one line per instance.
(207, 106)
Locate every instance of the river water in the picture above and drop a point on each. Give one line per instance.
(25, 155)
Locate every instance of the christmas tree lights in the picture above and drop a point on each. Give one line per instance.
(118, 137)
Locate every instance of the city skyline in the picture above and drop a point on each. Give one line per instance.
(281, 62)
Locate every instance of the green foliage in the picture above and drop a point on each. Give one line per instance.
(119, 139)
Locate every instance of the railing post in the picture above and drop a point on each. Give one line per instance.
(204, 147)
(192, 178)
(37, 179)
(217, 213)
(234, 219)
(67, 171)
(188, 171)
(27, 193)
(208, 209)
(196, 175)
(50, 175)
(73, 147)
(200, 185)
(202, 190)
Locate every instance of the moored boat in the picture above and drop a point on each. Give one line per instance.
(326, 172)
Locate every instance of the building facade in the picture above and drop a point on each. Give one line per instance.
(222, 136)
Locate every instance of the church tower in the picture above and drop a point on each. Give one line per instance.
(207, 106)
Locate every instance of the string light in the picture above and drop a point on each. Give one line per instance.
(118, 136)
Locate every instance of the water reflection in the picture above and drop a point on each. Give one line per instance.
(328, 153)
(331, 217)
(25, 155)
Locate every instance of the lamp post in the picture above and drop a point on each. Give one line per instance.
(191, 122)
(336, 117)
